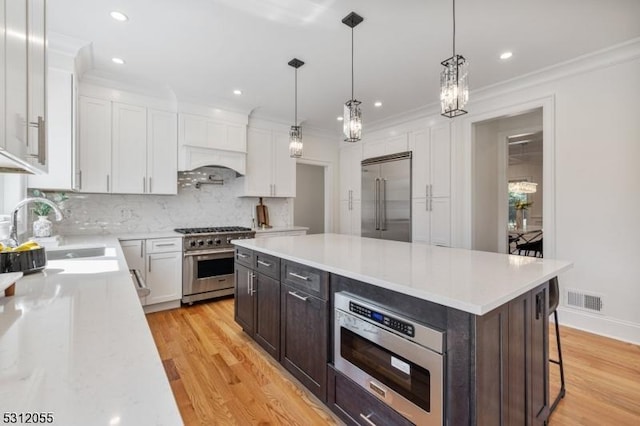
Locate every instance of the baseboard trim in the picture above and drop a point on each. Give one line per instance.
(149, 309)
(604, 326)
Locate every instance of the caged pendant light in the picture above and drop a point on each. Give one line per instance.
(295, 134)
(352, 123)
(454, 84)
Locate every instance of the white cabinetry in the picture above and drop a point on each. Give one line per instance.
(391, 145)
(270, 170)
(23, 86)
(160, 262)
(350, 189)
(61, 113)
(94, 145)
(127, 149)
(431, 181)
(204, 132)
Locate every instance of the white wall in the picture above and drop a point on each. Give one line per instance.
(592, 108)
(309, 202)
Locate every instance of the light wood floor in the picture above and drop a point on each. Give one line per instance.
(220, 376)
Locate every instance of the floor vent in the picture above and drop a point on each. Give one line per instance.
(581, 300)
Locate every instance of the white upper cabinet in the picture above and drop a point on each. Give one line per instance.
(94, 145)
(62, 148)
(127, 149)
(271, 172)
(431, 162)
(23, 89)
(391, 145)
(129, 139)
(205, 132)
(162, 151)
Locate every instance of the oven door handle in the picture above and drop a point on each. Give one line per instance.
(207, 252)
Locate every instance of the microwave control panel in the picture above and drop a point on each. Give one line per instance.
(395, 324)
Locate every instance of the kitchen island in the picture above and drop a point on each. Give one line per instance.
(75, 343)
(491, 310)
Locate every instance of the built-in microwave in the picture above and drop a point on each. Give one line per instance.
(397, 360)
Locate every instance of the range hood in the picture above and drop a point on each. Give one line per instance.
(193, 157)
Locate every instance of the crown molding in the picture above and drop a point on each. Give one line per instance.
(612, 55)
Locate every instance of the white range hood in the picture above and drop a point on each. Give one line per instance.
(192, 157)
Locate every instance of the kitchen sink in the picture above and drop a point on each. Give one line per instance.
(75, 253)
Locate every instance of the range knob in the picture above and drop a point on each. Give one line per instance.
(218, 241)
(229, 240)
(192, 243)
(200, 242)
(209, 242)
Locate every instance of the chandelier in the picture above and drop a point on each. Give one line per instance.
(523, 187)
(352, 123)
(454, 83)
(295, 134)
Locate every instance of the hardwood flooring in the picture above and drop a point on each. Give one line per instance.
(221, 377)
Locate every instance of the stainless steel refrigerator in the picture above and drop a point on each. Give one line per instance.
(386, 197)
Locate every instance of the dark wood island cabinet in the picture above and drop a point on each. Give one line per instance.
(494, 362)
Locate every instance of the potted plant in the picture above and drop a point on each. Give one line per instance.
(43, 227)
(521, 206)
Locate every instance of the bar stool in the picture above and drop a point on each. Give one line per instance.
(554, 300)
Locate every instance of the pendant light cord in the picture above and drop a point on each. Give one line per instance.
(352, 97)
(295, 123)
(454, 27)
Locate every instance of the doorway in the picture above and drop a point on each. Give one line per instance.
(507, 200)
(309, 208)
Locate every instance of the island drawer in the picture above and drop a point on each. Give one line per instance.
(356, 407)
(308, 279)
(244, 256)
(268, 265)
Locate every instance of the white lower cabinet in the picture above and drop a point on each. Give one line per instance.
(159, 260)
(431, 221)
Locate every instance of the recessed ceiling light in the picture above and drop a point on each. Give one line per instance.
(118, 61)
(237, 92)
(340, 118)
(378, 104)
(506, 55)
(119, 16)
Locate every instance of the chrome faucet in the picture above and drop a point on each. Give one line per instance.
(13, 237)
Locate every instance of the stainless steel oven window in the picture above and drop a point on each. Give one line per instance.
(403, 376)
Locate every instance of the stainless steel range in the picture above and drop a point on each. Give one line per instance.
(207, 270)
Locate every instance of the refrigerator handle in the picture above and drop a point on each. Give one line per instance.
(383, 206)
(376, 203)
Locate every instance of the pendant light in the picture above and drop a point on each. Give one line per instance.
(454, 85)
(352, 123)
(295, 134)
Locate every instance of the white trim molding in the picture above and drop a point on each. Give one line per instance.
(601, 325)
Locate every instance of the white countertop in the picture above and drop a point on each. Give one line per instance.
(472, 281)
(74, 341)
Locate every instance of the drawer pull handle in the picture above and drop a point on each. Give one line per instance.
(165, 244)
(242, 255)
(297, 296)
(267, 264)
(302, 277)
(367, 419)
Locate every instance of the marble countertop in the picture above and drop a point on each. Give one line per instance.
(74, 341)
(472, 281)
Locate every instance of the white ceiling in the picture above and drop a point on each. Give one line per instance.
(204, 49)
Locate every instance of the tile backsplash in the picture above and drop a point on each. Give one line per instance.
(210, 205)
